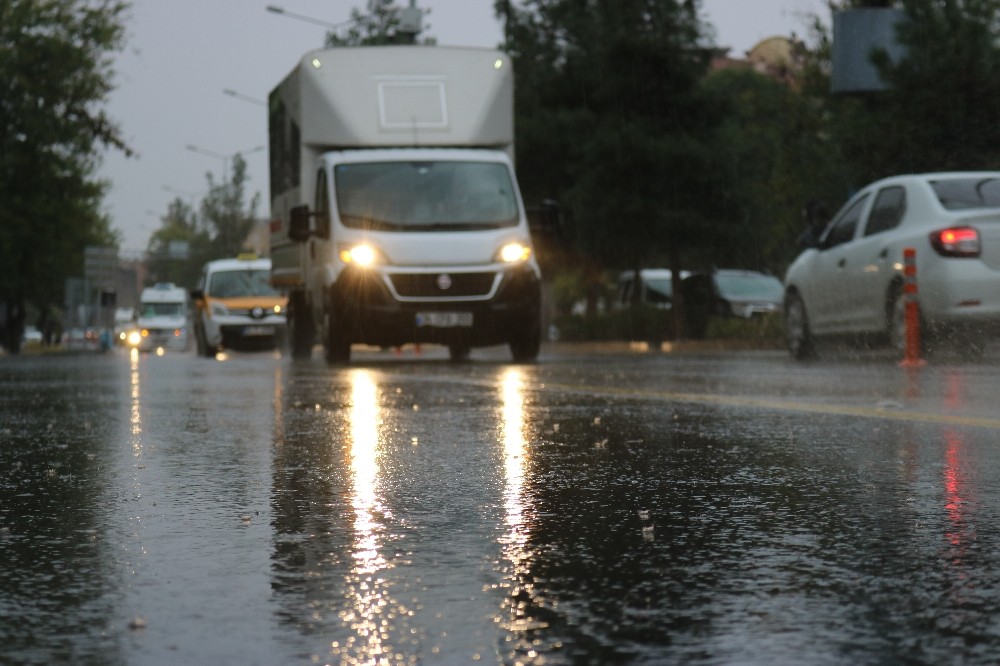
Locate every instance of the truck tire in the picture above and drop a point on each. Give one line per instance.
(526, 343)
(337, 343)
(301, 330)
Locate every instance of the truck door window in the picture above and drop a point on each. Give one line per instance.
(322, 206)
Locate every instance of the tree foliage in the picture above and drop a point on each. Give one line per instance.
(220, 230)
(179, 230)
(611, 120)
(56, 72)
(378, 26)
(939, 111)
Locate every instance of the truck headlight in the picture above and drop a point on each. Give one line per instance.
(513, 252)
(219, 309)
(362, 255)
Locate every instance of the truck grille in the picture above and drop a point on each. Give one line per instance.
(442, 285)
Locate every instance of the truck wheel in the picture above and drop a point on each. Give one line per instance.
(301, 330)
(524, 347)
(337, 342)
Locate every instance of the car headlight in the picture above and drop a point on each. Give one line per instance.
(219, 309)
(514, 252)
(362, 254)
(134, 338)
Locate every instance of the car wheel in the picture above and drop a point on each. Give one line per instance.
(459, 353)
(301, 333)
(800, 342)
(201, 343)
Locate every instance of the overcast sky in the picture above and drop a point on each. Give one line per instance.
(182, 54)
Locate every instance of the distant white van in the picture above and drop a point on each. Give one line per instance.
(162, 318)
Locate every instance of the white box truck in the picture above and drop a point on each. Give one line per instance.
(162, 318)
(395, 212)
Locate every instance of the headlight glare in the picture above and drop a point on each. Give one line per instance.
(359, 255)
(512, 252)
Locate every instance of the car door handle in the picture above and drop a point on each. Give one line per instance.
(842, 262)
(884, 253)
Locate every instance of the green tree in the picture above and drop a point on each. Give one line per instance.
(56, 73)
(377, 26)
(938, 111)
(228, 216)
(771, 156)
(611, 120)
(179, 230)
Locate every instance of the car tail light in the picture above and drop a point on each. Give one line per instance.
(956, 242)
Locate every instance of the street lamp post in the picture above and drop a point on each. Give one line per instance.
(274, 9)
(179, 192)
(410, 20)
(245, 98)
(224, 157)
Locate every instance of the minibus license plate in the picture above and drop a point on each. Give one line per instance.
(444, 319)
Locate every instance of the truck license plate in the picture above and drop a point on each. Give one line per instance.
(257, 330)
(444, 319)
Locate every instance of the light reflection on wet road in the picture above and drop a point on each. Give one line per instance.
(595, 509)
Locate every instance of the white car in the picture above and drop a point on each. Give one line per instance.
(236, 307)
(850, 282)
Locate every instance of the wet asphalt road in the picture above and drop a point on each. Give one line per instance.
(594, 508)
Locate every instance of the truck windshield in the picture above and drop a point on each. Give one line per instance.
(243, 282)
(161, 309)
(425, 196)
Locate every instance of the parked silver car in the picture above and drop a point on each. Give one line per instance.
(850, 280)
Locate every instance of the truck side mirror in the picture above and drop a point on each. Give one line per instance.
(197, 294)
(546, 218)
(298, 224)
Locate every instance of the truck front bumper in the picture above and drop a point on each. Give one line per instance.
(368, 312)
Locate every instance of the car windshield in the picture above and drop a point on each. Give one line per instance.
(425, 196)
(241, 282)
(747, 287)
(161, 309)
(961, 194)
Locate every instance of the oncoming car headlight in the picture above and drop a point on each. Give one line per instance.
(362, 255)
(133, 338)
(513, 252)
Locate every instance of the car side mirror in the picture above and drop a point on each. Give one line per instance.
(808, 239)
(546, 218)
(197, 294)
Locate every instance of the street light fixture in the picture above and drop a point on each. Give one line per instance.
(183, 193)
(224, 157)
(245, 98)
(410, 19)
(308, 19)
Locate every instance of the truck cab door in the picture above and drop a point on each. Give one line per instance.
(318, 247)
